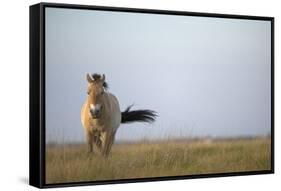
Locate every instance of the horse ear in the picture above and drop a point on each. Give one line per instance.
(89, 79)
(103, 78)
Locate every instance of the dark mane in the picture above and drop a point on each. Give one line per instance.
(97, 77)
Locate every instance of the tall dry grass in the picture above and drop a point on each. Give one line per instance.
(71, 163)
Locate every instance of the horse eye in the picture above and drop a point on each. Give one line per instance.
(102, 92)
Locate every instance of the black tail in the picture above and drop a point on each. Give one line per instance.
(138, 115)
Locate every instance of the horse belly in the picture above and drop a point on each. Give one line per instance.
(116, 121)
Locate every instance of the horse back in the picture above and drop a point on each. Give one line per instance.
(114, 112)
(85, 120)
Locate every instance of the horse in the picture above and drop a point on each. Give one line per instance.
(101, 115)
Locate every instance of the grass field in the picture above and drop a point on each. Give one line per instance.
(71, 163)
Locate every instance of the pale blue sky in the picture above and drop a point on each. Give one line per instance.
(204, 76)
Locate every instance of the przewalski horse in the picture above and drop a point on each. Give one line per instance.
(101, 115)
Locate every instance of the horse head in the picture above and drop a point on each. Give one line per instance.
(96, 89)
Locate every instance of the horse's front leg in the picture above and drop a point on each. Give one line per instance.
(107, 142)
(98, 141)
(89, 138)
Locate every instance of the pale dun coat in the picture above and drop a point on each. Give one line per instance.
(101, 115)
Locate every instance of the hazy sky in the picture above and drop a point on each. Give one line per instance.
(204, 76)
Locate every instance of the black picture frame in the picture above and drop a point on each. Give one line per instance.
(37, 93)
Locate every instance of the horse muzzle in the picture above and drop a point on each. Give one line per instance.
(95, 113)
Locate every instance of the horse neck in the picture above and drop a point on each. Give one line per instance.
(105, 111)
